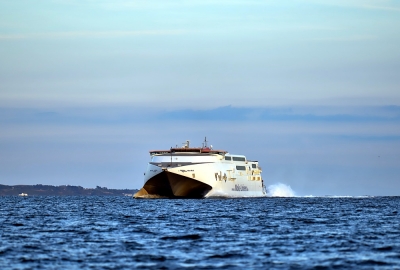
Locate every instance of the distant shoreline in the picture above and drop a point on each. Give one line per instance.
(64, 190)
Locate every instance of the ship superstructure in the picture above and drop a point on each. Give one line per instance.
(200, 172)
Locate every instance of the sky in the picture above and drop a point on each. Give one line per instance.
(310, 89)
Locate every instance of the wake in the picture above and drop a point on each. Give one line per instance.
(280, 190)
(283, 190)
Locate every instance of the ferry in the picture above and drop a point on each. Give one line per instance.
(200, 172)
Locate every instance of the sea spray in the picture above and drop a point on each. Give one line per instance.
(280, 190)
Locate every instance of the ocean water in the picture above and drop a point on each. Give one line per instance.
(126, 233)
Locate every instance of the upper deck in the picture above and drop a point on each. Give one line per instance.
(188, 150)
(190, 155)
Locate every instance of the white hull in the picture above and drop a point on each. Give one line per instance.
(201, 174)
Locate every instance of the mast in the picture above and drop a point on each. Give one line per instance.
(205, 142)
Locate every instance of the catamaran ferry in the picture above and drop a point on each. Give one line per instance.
(200, 172)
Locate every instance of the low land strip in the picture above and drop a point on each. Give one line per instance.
(48, 190)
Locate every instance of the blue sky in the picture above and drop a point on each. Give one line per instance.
(309, 89)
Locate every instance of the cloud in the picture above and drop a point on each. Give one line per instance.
(347, 38)
(178, 4)
(122, 4)
(308, 114)
(91, 34)
(359, 4)
(396, 9)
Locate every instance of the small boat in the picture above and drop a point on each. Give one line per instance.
(23, 194)
(200, 172)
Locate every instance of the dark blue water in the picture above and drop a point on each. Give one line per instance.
(120, 232)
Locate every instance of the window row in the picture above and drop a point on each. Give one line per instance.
(235, 158)
(243, 168)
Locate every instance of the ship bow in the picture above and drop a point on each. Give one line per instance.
(171, 185)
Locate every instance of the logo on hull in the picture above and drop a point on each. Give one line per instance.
(240, 188)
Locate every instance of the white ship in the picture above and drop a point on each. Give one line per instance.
(200, 172)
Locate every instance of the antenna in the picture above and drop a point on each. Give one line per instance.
(205, 142)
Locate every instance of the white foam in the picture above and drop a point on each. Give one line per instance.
(280, 190)
(217, 194)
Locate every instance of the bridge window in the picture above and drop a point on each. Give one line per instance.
(228, 158)
(254, 166)
(239, 159)
(241, 168)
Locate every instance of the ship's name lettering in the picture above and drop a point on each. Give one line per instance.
(240, 188)
(186, 170)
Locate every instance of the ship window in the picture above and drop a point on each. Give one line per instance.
(253, 166)
(228, 158)
(239, 159)
(241, 168)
